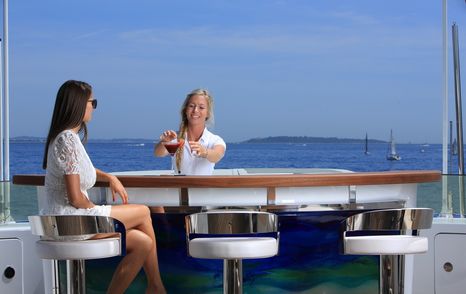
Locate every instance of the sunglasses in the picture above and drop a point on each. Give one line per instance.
(93, 102)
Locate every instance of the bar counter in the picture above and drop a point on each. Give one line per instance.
(240, 187)
(311, 206)
(263, 180)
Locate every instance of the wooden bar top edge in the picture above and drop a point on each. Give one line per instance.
(254, 181)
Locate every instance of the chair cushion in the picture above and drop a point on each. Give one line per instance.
(385, 245)
(86, 249)
(233, 247)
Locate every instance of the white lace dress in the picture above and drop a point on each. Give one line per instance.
(67, 156)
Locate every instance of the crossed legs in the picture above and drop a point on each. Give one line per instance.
(140, 247)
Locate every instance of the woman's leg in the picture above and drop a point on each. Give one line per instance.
(138, 247)
(137, 217)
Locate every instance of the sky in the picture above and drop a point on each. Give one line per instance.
(328, 68)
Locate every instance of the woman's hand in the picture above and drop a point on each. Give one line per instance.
(159, 148)
(198, 149)
(117, 188)
(115, 185)
(168, 136)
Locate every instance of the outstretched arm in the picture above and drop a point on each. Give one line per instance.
(213, 154)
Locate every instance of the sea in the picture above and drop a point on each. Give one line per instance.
(26, 158)
(109, 156)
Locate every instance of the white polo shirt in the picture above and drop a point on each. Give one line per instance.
(195, 165)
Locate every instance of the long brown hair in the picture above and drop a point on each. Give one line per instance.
(184, 119)
(68, 112)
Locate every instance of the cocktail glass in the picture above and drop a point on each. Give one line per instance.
(172, 147)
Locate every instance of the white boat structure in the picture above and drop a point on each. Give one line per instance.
(392, 154)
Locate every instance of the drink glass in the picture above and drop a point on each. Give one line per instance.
(172, 147)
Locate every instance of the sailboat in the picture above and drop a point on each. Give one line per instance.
(366, 150)
(392, 155)
(454, 148)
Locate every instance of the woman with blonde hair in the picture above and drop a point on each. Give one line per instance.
(202, 149)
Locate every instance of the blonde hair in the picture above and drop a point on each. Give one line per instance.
(184, 119)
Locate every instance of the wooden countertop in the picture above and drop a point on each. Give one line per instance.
(252, 181)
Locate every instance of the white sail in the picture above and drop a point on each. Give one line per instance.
(366, 149)
(392, 155)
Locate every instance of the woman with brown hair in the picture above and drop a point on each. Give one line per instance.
(70, 173)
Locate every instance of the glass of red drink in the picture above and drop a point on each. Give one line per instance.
(172, 147)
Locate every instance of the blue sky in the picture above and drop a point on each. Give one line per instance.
(299, 68)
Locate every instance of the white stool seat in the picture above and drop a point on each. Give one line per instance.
(233, 247)
(82, 249)
(232, 235)
(385, 245)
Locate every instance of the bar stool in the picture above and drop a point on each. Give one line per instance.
(234, 241)
(76, 238)
(405, 222)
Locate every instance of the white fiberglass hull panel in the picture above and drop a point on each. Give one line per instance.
(17, 247)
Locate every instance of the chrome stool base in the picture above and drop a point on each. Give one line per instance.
(233, 276)
(75, 277)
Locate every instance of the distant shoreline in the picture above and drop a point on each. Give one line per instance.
(265, 140)
(308, 140)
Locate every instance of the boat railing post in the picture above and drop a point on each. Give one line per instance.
(450, 161)
(352, 196)
(2, 116)
(445, 110)
(6, 94)
(4, 121)
(447, 209)
(459, 118)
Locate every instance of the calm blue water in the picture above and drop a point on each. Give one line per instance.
(26, 158)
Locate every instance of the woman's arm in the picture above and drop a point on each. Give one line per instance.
(160, 150)
(75, 196)
(115, 185)
(213, 154)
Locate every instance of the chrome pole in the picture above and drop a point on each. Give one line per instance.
(450, 162)
(4, 202)
(459, 121)
(392, 271)
(459, 116)
(445, 88)
(4, 126)
(75, 277)
(2, 117)
(233, 276)
(6, 93)
(445, 211)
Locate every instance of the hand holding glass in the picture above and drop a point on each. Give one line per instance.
(172, 147)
